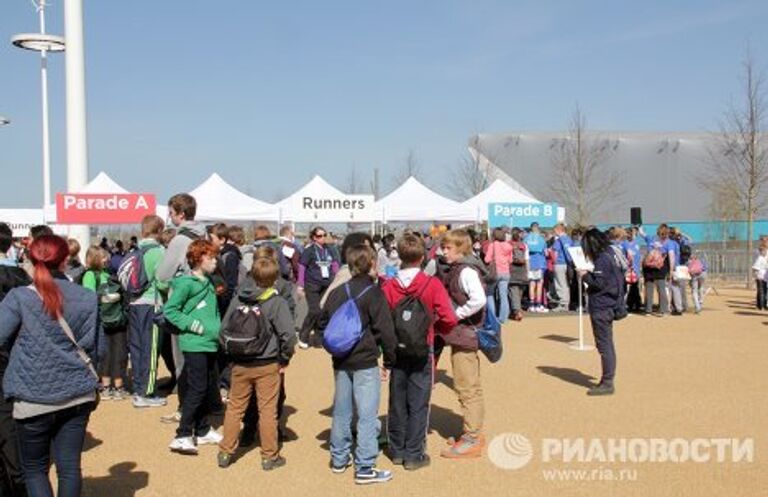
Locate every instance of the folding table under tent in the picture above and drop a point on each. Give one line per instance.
(217, 200)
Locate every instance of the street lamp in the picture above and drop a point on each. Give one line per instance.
(43, 43)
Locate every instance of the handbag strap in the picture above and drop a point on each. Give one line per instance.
(68, 331)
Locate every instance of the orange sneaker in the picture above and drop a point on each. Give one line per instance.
(468, 446)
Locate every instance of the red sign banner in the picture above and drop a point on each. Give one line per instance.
(103, 208)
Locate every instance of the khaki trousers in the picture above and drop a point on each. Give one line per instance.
(265, 381)
(466, 382)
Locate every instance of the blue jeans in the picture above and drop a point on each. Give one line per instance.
(363, 388)
(65, 431)
(503, 285)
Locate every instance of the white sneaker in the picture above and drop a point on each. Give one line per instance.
(183, 445)
(543, 309)
(303, 345)
(211, 438)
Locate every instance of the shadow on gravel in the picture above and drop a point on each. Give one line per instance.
(569, 375)
(122, 481)
(558, 338)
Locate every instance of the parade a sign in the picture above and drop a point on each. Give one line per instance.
(103, 208)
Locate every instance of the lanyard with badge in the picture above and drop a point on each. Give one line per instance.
(323, 263)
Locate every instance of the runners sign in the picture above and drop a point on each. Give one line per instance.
(333, 209)
(521, 215)
(103, 208)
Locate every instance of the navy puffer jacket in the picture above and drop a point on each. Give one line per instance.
(44, 366)
(605, 283)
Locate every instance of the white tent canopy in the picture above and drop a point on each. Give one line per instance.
(498, 191)
(218, 200)
(412, 201)
(102, 183)
(317, 187)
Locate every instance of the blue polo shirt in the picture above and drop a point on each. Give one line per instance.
(675, 247)
(632, 249)
(665, 247)
(561, 245)
(536, 247)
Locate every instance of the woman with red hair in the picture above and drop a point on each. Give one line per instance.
(56, 334)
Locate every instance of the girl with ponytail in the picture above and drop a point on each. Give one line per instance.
(56, 336)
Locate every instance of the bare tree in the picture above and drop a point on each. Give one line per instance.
(583, 180)
(375, 187)
(354, 182)
(411, 167)
(739, 158)
(469, 177)
(724, 207)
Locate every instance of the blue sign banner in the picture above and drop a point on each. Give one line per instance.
(521, 215)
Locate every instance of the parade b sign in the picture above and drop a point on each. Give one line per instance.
(521, 215)
(103, 208)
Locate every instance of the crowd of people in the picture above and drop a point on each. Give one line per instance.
(535, 272)
(220, 312)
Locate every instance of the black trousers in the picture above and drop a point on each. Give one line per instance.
(166, 352)
(602, 329)
(762, 294)
(313, 293)
(11, 476)
(634, 301)
(115, 363)
(201, 391)
(410, 390)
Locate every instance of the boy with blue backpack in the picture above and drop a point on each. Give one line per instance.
(421, 306)
(357, 324)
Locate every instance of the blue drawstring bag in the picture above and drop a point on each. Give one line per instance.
(345, 329)
(489, 338)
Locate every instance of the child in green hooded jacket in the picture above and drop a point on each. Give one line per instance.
(193, 309)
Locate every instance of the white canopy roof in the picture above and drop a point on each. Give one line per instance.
(498, 191)
(102, 183)
(412, 201)
(218, 200)
(317, 187)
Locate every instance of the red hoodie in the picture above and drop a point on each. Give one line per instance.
(433, 295)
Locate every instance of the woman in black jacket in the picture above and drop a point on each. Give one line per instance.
(604, 289)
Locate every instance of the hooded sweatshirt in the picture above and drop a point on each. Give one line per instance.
(174, 261)
(193, 304)
(281, 344)
(376, 318)
(430, 291)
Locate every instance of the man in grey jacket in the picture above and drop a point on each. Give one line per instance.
(182, 209)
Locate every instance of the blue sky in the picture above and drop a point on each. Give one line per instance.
(269, 93)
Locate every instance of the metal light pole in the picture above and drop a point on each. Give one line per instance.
(77, 139)
(43, 43)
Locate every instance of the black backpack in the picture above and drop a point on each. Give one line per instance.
(247, 331)
(412, 321)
